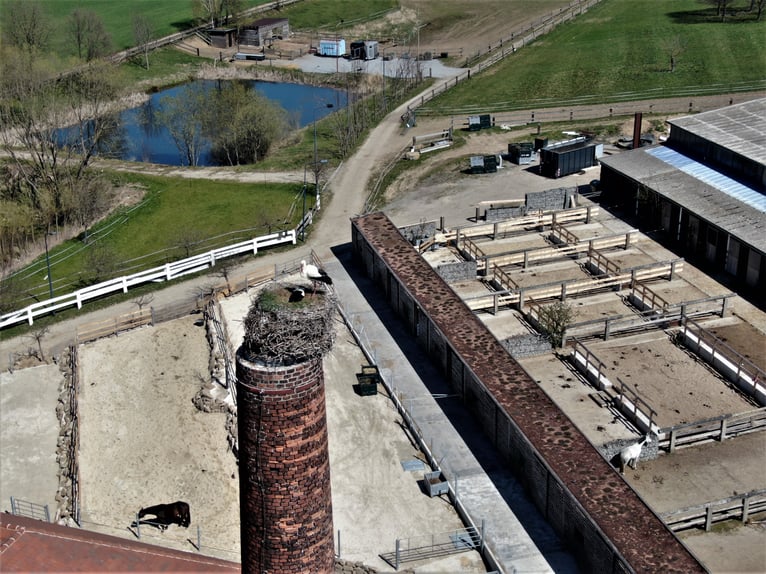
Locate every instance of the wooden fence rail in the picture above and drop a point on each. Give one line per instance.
(737, 507)
(750, 378)
(499, 229)
(713, 429)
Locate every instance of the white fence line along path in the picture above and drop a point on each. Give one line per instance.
(167, 272)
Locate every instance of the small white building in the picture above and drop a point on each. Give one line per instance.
(335, 48)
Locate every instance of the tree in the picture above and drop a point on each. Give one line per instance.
(185, 117)
(38, 336)
(88, 34)
(674, 47)
(217, 12)
(48, 166)
(25, 25)
(142, 35)
(554, 320)
(243, 125)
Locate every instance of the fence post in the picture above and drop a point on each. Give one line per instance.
(745, 507)
(723, 430)
(672, 445)
(338, 542)
(396, 558)
(708, 517)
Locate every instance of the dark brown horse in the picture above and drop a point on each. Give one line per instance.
(166, 514)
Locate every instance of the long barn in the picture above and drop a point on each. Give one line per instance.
(595, 512)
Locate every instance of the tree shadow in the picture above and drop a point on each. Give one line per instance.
(182, 25)
(705, 16)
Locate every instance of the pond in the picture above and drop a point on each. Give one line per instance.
(143, 138)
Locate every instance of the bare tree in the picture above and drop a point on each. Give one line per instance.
(184, 116)
(89, 35)
(674, 47)
(38, 336)
(143, 300)
(25, 25)
(142, 35)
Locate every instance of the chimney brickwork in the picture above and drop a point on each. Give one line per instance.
(284, 468)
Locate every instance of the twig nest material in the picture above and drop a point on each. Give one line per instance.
(282, 332)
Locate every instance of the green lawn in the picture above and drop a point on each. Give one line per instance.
(174, 213)
(620, 50)
(166, 16)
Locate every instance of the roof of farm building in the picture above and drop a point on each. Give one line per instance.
(739, 127)
(28, 545)
(638, 534)
(724, 202)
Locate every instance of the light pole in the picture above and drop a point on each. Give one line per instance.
(316, 160)
(303, 218)
(48, 265)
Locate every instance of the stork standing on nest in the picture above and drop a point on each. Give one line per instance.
(315, 275)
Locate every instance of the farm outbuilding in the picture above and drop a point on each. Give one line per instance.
(364, 50)
(705, 190)
(222, 37)
(567, 157)
(263, 31)
(334, 48)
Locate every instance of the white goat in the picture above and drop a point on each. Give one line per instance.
(630, 454)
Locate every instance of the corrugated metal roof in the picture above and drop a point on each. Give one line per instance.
(739, 127)
(711, 177)
(742, 221)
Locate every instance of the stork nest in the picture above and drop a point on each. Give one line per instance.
(281, 332)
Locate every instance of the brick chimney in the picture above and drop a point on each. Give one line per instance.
(284, 468)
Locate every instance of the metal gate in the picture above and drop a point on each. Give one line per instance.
(435, 545)
(30, 509)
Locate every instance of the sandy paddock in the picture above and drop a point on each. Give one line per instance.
(599, 306)
(143, 442)
(665, 385)
(549, 274)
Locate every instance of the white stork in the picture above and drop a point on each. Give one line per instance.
(297, 294)
(315, 274)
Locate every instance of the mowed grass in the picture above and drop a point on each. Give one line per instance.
(620, 50)
(173, 213)
(165, 16)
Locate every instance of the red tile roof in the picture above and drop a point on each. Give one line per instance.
(28, 545)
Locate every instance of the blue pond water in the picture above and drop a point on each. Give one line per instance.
(145, 140)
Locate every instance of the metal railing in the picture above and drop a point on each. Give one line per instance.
(30, 509)
(435, 545)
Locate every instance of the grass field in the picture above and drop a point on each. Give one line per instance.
(166, 16)
(174, 214)
(621, 50)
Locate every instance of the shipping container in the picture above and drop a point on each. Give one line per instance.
(565, 158)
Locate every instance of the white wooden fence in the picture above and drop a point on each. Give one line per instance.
(166, 272)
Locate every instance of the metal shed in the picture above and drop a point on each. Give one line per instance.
(567, 157)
